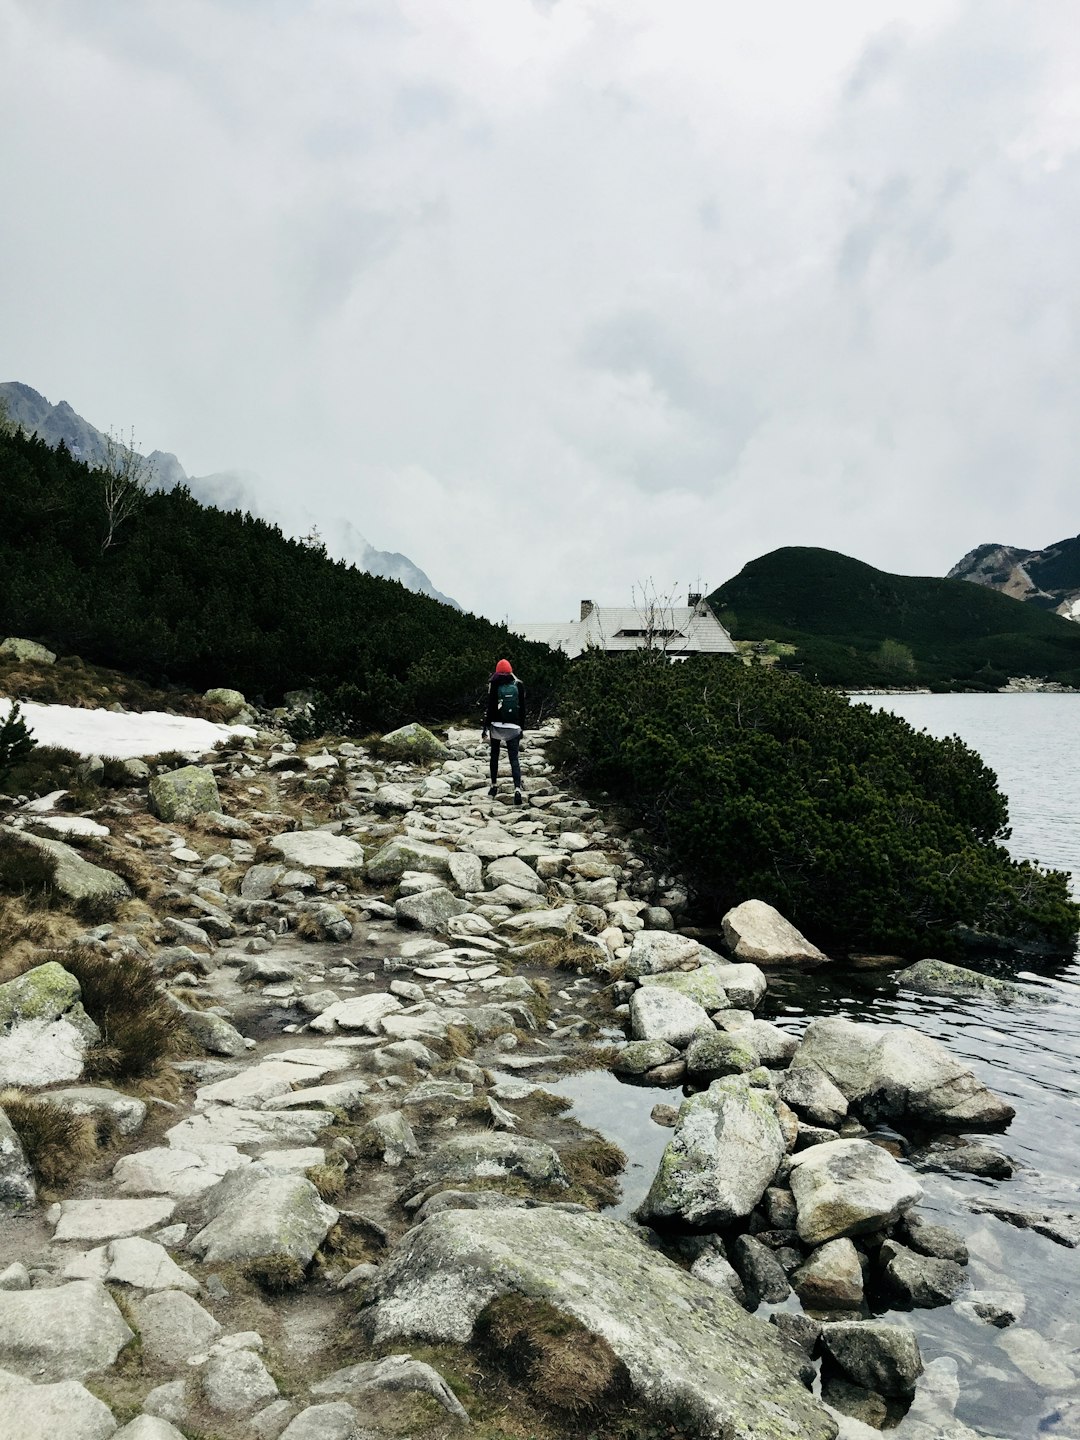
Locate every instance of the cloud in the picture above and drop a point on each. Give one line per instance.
(558, 297)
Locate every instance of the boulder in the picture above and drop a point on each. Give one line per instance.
(393, 1372)
(121, 1113)
(466, 871)
(168, 1170)
(653, 952)
(66, 1410)
(172, 1328)
(430, 910)
(392, 797)
(149, 1427)
(390, 1135)
(413, 742)
(62, 1333)
(490, 1155)
(875, 1354)
(236, 1382)
(661, 1014)
(142, 1264)
(336, 1420)
(17, 649)
(849, 1187)
(109, 1219)
(259, 881)
(74, 877)
(723, 1154)
(47, 992)
(831, 1279)
(687, 1347)
(895, 1073)
(702, 985)
(364, 1013)
(511, 871)
(813, 1096)
(319, 850)
(709, 1056)
(16, 1178)
(232, 701)
(280, 1216)
(755, 931)
(936, 977)
(762, 1274)
(388, 864)
(642, 1055)
(213, 1032)
(914, 1280)
(180, 795)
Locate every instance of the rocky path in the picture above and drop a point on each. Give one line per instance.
(379, 967)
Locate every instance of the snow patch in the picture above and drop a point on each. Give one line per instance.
(126, 737)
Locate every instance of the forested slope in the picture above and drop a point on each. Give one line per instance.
(202, 597)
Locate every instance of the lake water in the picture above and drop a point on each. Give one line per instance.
(1023, 1382)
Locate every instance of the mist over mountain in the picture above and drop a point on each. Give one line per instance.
(1049, 578)
(224, 489)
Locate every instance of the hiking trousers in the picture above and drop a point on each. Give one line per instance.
(513, 745)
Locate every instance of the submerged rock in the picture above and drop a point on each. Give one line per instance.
(724, 1153)
(687, 1347)
(937, 977)
(875, 1354)
(894, 1073)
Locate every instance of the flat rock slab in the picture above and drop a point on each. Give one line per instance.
(686, 1346)
(364, 1013)
(42, 1052)
(849, 1187)
(319, 850)
(64, 1411)
(62, 1333)
(142, 1264)
(172, 1327)
(75, 878)
(111, 1219)
(488, 1156)
(179, 1173)
(230, 1125)
(755, 931)
(389, 863)
(722, 1157)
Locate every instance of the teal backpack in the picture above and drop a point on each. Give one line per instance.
(508, 703)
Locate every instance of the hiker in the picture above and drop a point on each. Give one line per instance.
(504, 720)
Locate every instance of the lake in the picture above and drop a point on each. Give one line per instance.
(1022, 1382)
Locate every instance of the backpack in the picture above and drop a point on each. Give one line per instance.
(508, 703)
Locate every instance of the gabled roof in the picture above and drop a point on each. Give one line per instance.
(677, 629)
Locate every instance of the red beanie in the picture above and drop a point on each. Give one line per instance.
(504, 668)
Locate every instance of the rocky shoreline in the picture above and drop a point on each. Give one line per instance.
(359, 1207)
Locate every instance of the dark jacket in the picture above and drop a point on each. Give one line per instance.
(491, 714)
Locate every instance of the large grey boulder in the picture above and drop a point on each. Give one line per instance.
(894, 1073)
(652, 952)
(231, 701)
(279, 1216)
(702, 985)
(712, 1055)
(723, 1154)
(878, 1355)
(182, 794)
(512, 871)
(413, 742)
(318, 850)
(16, 1178)
(149, 1427)
(642, 1055)
(401, 853)
(236, 1382)
(431, 909)
(172, 1328)
(122, 1113)
(831, 1279)
(812, 1095)
(687, 1346)
(74, 877)
(63, 1411)
(849, 1187)
(62, 1333)
(755, 931)
(937, 977)
(662, 1014)
(213, 1032)
(15, 648)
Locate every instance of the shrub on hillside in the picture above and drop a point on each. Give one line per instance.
(16, 741)
(861, 830)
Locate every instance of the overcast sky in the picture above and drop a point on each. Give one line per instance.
(561, 297)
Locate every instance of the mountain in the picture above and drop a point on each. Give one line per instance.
(1048, 578)
(225, 489)
(856, 626)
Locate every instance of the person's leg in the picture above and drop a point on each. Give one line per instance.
(515, 763)
(494, 761)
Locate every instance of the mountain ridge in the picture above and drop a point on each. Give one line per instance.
(225, 489)
(1048, 578)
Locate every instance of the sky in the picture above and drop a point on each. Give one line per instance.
(564, 298)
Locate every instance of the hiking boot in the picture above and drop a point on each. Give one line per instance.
(517, 797)
(491, 791)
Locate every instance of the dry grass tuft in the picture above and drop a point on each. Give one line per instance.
(564, 1367)
(307, 927)
(329, 1180)
(592, 1165)
(139, 1028)
(25, 930)
(276, 1274)
(563, 952)
(59, 1146)
(26, 871)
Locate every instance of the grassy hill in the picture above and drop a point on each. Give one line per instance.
(857, 626)
(201, 597)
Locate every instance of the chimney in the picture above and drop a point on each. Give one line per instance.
(587, 607)
(694, 598)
